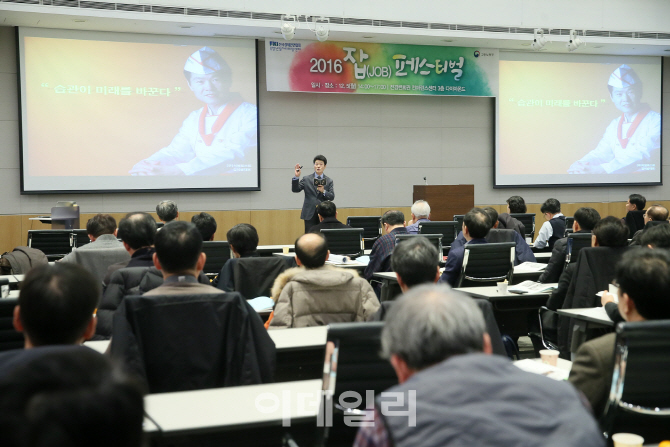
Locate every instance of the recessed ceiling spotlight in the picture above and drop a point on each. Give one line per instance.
(368, 37)
(527, 44)
(185, 26)
(79, 20)
(598, 46)
(447, 40)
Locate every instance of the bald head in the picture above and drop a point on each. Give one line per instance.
(657, 213)
(311, 250)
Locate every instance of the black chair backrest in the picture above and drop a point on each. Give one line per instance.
(371, 225)
(160, 224)
(81, 238)
(53, 243)
(192, 341)
(501, 235)
(459, 218)
(449, 230)
(576, 241)
(358, 364)
(568, 225)
(528, 221)
(435, 239)
(254, 277)
(10, 338)
(345, 241)
(639, 399)
(218, 252)
(487, 264)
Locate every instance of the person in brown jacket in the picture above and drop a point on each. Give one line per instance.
(643, 276)
(315, 294)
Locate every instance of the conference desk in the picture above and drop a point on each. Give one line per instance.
(236, 415)
(543, 257)
(14, 280)
(586, 319)
(269, 250)
(512, 311)
(350, 264)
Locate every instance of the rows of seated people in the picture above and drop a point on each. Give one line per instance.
(146, 290)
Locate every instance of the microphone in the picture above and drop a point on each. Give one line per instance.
(425, 181)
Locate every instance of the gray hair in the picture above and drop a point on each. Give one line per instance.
(167, 210)
(421, 209)
(431, 323)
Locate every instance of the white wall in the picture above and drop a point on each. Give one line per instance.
(377, 146)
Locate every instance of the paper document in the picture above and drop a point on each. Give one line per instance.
(530, 267)
(531, 287)
(537, 367)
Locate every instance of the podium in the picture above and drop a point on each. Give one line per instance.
(446, 200)
(64, 216)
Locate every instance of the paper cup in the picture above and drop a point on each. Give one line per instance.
(285, 249)
(627, 440)
(502, 288)
(549, 356)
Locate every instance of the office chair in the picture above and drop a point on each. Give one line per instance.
(576, 241)
(345, 241)
(639, 399)
(254, 277)
(528, 220)
(487, 264)
(568, 225)
(352, 364)
(80, 238)
(10, 338)
(448, 230)
(500, 235)
(371, 225)
(218, 252)
(435, 239)
(53, 243)
(459, 218)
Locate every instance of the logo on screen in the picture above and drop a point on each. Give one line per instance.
(476, 53)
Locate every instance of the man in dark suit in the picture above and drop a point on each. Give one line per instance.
(327, 212)
(644, 286)
(318, 188)
(476, 225)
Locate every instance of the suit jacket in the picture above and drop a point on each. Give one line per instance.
(592, 370)
(97, 256)
(452, 270)
(557, 261)
(312, 196)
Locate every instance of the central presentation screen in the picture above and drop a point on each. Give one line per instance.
(578, 120)
(104, 112)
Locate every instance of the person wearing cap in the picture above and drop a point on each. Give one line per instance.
(222, 131)
(632, 138)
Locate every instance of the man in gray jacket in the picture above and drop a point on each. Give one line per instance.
(317, 186)
(315, 294)
(452, 393)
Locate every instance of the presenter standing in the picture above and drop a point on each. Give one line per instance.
(318, 188)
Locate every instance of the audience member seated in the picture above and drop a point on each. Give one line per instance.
(206, 225)
(608, 232)
(327, 212)
(655, 215)
(420, 213)
(137, 232)
(167, 211)
(476, 225)
(656, 237)
(243, 240)
(554, 227)
(393, 222)
(56, 306)
(593, 272)
(180, 258)
(435, 339)
(585, 220)
(103, 250)
(523, 253)
(315, 294)
(71, 397)
(644, 294)
(515, 205)
(634, 219)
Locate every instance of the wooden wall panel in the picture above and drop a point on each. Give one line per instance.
(277, 226)
(11, 233)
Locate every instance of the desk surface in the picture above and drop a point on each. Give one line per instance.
(591, 314)
(542, 255)
(98, 345)
(13, 279)
(491, 293)
(274, 247)
(234, 407)
(299, 338)
(389, 276)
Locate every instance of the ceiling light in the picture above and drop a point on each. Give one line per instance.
(539, 40)
(288, 26)
(574, 41)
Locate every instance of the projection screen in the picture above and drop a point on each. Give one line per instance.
(105, 112)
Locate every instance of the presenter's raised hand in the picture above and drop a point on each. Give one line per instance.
(143, 167)
(297, 170)
(577, 168)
